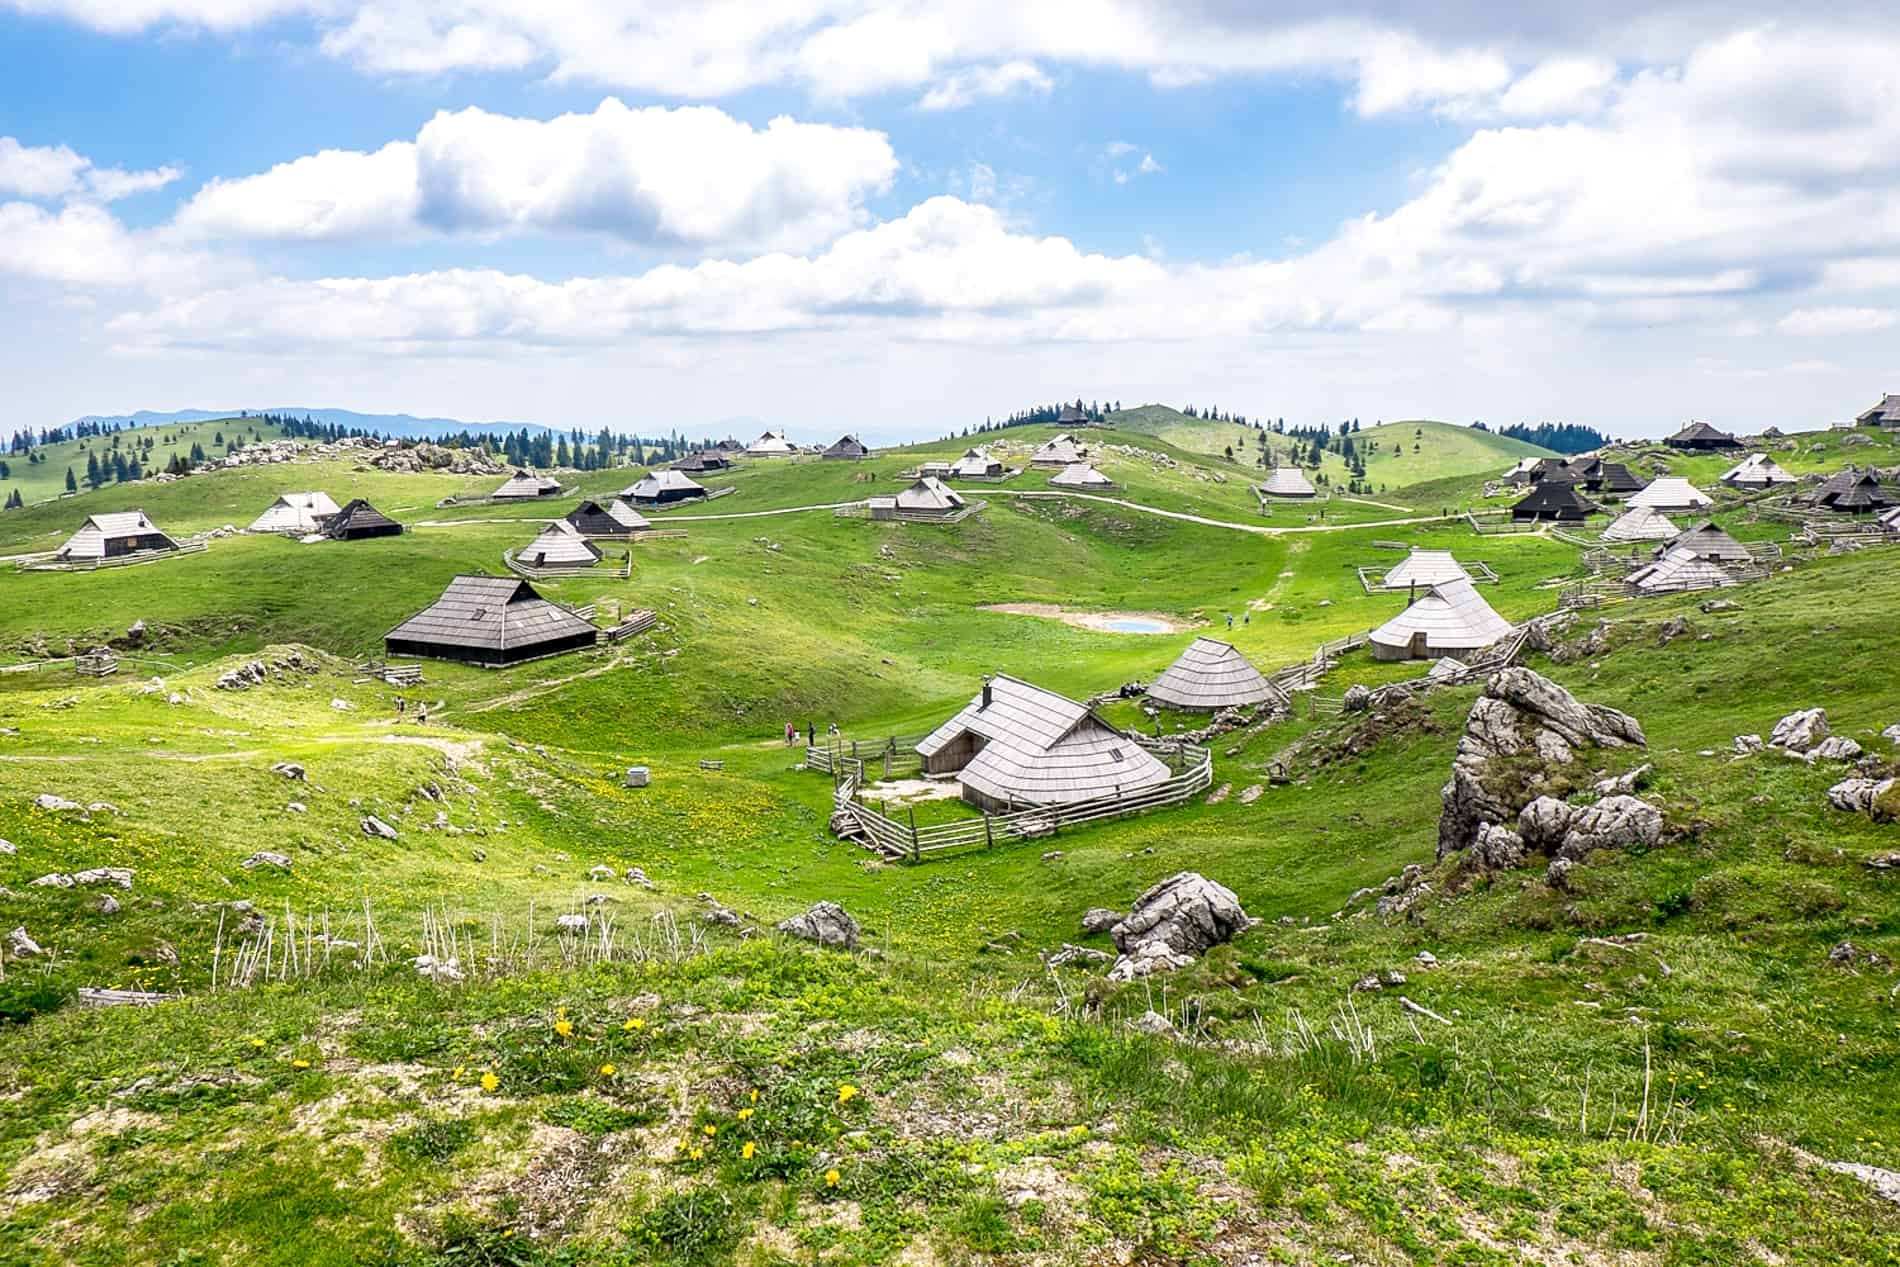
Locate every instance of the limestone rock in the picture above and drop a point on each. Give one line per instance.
(108, 905)
(1746, 744)
(1188, 912)
(1358, 698)
(438, 969)
(600, 871)
(1892, 733)
(1151, 1022)
(7, 848)
(825, 923)
(55, 804)
(1099, 919)
(266, 858)
(1624, 784)
(21, 946)
(1855, 796)
(571, 925)
(290, 770)
(637, 876)
(1571, 831)
(374, 826)
(1800, 731)
(53, 880)
(1147, 959)
(1499, 848)
(1557, 874)
(1835, 748)
(119, 876)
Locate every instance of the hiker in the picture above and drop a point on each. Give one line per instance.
(422, 714)
(791, 734)
(1230, 620)
(811, 733)
(402, 705)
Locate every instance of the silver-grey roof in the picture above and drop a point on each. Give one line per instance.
(1042, 748)
(1288, 481)
(1642, 523)
(295, 512)
(1757, 470)
(1062, 449)
(497, 612)
(90, 541)
(560, 545)
(975, 462)
(1080, 475)
(929, 493)
(771, 444)
(1211, 675)
(1706, 541)
(1680, 569)
(1453, 617)
(1425, 567)
(1672, 492)
(654, 483)
(522, 484)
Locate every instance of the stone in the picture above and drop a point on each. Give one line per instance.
(53, 880)
(341, 705)
(118, 876)
(1187, 912)
(266, 858)
(1499, 848)
(1357, 699)
(1053, 855)
(297, 807)
(1624, 784)
(1671, 630)
(636, 875)
(438, 969)
(1099, 919)
(571, 925)
(1151, 1022)
(7, 848)
(374, 826)
(1892, 733)
(1855, 796)
(1078, 955)
(108, 905)
(1721, 605)
(636, 776)
(1425, 959)
(1885, 1183)
(1800, 731)
(1557, 874)
(1148, 958)
(102, 807)
(478, 855)
(55, 804)
(21, 946)
(600, 871)
(290, 770)
(1551, 826)
(1746, 744)
(825, 923)
(1835, 748)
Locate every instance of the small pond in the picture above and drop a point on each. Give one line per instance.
(1136, 625)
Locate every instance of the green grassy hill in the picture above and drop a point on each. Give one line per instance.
(1647, 1066)
(44, 480)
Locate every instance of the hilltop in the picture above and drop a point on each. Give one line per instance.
(1649, 1059)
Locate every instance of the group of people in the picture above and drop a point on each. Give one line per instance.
(811, 733)
(422, 711)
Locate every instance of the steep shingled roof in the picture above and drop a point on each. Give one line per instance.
(500, 615)
(1453, 617)
(1211, 675)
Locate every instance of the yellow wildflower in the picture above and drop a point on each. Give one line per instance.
(698, 1153)
(257, 1044)
(847, 1093)
(564, 1028)
(749, 1149)
(634, 1024)
(832, 1177)
(490, 1081)
(710, 1130)
(755, 1095)
(299, 1064)
(745, 1115)
(608, 1071)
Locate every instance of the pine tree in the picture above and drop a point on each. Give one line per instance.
(72, 485)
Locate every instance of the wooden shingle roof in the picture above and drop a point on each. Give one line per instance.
(1700, 433)
(496, 613)
(1425, 567)
(359, 518)
(522, 484)
(1080, 475)
(1672, 492)
(1680, 569)
(1641, 523)
(1453, 617)
(1211, 675)
(295, 512)
(929, 493)
(1288, 481)
(560, 545)
(1706, 541)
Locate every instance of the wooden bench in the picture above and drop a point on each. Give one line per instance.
(712, 765)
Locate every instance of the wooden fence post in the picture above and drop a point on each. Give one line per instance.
(989, 838)
(916, 853)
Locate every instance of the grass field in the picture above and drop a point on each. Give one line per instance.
(1585, 1102)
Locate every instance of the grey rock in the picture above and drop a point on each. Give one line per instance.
(53, 880)
(1746, 744)
(1151, 1022)
(1855, 796)
(1498, 848)
(1084, 955)
(108, 905)
(7, 848)
(636, 776)
(1800, 731)
(1892, 733)
(21, 946)
(600, 871)
(1571, 831)
(1721, 605)
(290, 770)
(825, 923)
(55, 804)
(297, 807)
(1148, 958)
(102, 807)
(374, 826)
(1188, 912)
(478, 855)
(1099, 919)
(438, 969)
(119, 876)
(571, 925)
(637, 876)
(1557, 874)
(1624, 784)
(1835, 748)
(1358, 698)
(1885, 1183)
(266, 858)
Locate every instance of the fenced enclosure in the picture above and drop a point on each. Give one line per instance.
(1372, 575)
(597, 570)
(50, 563)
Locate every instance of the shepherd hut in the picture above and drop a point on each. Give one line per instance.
(615, 519)
(299, 514)
(1756, 471)
(1611, 479)
(559, 545)
(1076, 415)
(114, 536)
(492, 621)
(1885, 414)
(976, 464)
(1082, 477)
(1209, 676)
(1423, 569)
(703, 460)
(1861, 495)
(848, 448)
(929, 498)
(1679, 569)
(1016, 746)
(1706, 541)
(1701, 436)
(1671, 494)
(358, 521)
(1641, 523)
(772, 444)
(1057, 453)
(1288, 481)
(1553, 501)
(662, 488)
(522, 486)
(1451, 619)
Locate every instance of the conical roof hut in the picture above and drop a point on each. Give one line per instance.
(772, 444)
(704, 460)
(976, 464)
(1288, 481)
(1700, 435)
(1680, 569)
(1209, 676)
(1081, 475)
(559, 545)
(1451, 619)
(1672, 493)
(113, 536)
(1641, 523)
(1058, 452)
(657, 488)
(1756, 471)
(522, 486)
(615, 519)
(490, 620)
(1706, 541)
(1425, 568)
(848, 447)
(1862, 495)
(1017, 745)
(299, 513)
(358, 521)
(1555, 501)
(930, 496)
(1076, 415)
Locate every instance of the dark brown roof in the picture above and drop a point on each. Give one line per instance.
(497, 614)
(359, 519)
(1863, 493)
(1552, 498)
(1700, 433)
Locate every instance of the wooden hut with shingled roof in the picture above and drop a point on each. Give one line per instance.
(298, 514)
(1058, 452)
(1641, 523)
(616, 519)
(1017, 746)
(1678, 570)
(1672, 494)
(1553, 501)
(1707, 541)
(1209, 676)
(976, 464)
(701, 461)
(559, 546)
(1701, 437)
(1288, 481)
(1756, 471)
(1451, 619)
(1861, 495)
(1423, 569)
(1082, 477)
(1885, 414)
(114, 536)
(490, 621)
(359, 521)
(663, 488)
(521, 486)
(848, 448)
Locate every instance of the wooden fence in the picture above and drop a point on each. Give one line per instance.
(638, 623)
(515, 565)
(893, 755)
(48, 563)
(907, 842)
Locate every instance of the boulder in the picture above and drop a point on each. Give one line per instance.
(53, 880)
(7, 848)
(1800, 731)
(1357, 699)
(1746, 744)
(374, 826)
(55, 804)
(825, 923)
(1146, 959)
(1623, 784)
(119, 876)
(1557, 874)
(1892, 733)
(266, 858)
(21, 946)
(290, 770)
(1099, 919)
(438, 969)
(1835, 748)
(1549, 825)
(637, 875)
(1498, 848)
(571, 925)
(108, 905)
(1855, 796)
(1151, 1022)
(600, 871)
(1188, 912)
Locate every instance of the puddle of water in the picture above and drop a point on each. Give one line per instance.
(1135, 625)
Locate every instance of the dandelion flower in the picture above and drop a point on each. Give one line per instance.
(299, 1064)
(710, 1130)
(847, 1093)
(745, 1115)
(459, 1071)
(755, 1095)
(634, 1024)
(257, 1044)
(608, 1071)
(832, 1177)
(749, 1149)
(564, 1028)
(698, 1153)
(490, 1081)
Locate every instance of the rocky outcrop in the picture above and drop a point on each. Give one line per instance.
(1864, 796)
(376, 827)
(22, 946)
(826, 923)
(1554, 827)
(1187, 912)
(1099, 919)
(1800, 731)
(266, 858)
(1518, 730)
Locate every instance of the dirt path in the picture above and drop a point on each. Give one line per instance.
(539, 689)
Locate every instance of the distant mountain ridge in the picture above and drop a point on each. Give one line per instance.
(402, 426)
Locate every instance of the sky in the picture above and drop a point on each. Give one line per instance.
(903, 218)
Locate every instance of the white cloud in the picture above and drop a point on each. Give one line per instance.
(965, 87)
(1837, 322)
(56, 171)
(1115, 149)
(83, 244)
(692, 176)
(1562, 86)
(1148, 165)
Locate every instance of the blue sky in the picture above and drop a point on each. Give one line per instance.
(590, 217)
